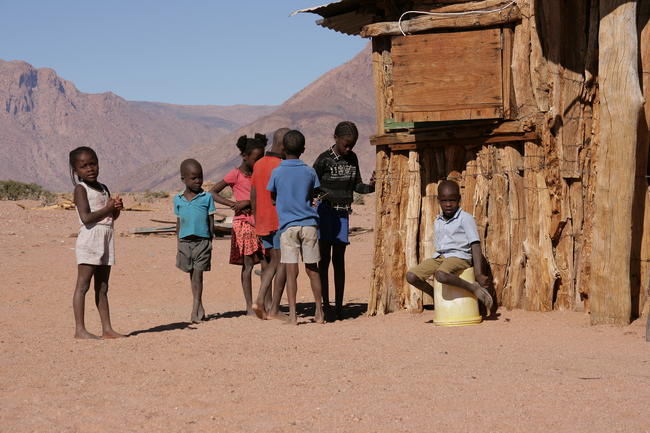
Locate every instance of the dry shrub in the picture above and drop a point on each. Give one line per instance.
(150, 196)
(13, 190)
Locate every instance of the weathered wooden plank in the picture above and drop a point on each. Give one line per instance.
(466, 6)
(541, 271)
(539, 74)
(514, 167)
(429, 208)
(511, 129)
(382, 182)
(621, 102)
(509, 15)
(379, 47)
(525, 105)
(643, 25)
(506, 61)
(399, 223)
(432, 82)
(497, 243)
(468, 142)
(412, 222)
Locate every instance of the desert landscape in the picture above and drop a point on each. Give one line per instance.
(521, 371)
(514, 100)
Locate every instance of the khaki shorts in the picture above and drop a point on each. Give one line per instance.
(299, 240)
(451, 265)
(194, 254)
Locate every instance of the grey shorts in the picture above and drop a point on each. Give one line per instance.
(194, 254)
(299, 241)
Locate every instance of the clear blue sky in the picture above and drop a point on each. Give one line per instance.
(185, 52)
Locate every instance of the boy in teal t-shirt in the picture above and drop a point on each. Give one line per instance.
(194, 210)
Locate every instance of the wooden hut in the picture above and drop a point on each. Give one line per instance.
(536, 107)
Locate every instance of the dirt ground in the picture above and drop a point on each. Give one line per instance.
(523, 372)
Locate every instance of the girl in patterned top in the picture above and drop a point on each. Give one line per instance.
(246, 247)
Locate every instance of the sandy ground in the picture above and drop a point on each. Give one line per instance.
(524, 372)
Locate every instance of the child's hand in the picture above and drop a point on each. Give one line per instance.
(119, 205)
(482, 280)
(241, 205)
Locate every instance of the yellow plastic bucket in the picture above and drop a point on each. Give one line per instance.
(455, 306)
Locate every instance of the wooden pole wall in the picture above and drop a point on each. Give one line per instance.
(544, 208)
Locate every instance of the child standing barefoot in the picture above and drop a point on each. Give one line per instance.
(194, 210)
(339, 175)
(94, 247)
(245, 247)
(293, 186)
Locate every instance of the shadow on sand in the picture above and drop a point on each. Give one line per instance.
(303, 309)
(163, 328)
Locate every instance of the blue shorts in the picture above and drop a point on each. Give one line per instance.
(272, 240)
(333, 225)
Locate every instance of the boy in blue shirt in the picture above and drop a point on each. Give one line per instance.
(194, 210)
(457, 246)
(293, 185)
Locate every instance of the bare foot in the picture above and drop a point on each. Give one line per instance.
(82, 334)
(201, 312)
(112, 334)
(319, 317)
(484, 297)
(278, 316)
(291, 320)
(259, 310)
(251, 313)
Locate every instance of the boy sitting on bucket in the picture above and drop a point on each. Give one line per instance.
(457, 246)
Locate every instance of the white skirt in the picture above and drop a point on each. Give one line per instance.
(95, 245)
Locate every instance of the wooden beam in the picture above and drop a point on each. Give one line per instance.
(468, 143)
(621, 105)
(491, 133)
(510, 14)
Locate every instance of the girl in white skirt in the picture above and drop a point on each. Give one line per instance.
(94, 249)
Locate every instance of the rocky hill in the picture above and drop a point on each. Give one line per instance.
(140, 144)
(344, 93)
(43, 117)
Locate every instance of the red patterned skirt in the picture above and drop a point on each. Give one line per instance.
(244, 242)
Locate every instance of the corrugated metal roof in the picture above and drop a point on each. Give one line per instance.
(343, 16)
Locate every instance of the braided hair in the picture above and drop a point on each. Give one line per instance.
(246, 145)
(72, 159)
(346, 128)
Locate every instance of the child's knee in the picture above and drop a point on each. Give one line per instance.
(441, 276)
(102, 289)
(412, 279)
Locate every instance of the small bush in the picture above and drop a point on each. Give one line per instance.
(150, 196)
(358, 198)
(12, 190)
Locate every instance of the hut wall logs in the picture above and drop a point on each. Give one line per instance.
(555, 233)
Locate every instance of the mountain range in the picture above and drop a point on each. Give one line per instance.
(140, 144)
